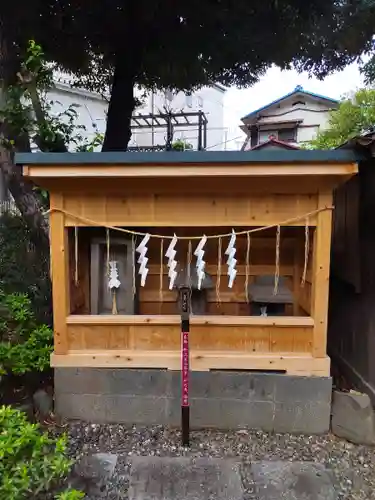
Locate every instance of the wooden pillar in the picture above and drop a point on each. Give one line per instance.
(59, 274)
(320, 284)
(296, 278)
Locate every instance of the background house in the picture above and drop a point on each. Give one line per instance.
(295, 118)
(92, 108)
(209, 100)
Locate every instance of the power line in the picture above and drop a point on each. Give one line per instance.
(225, 142)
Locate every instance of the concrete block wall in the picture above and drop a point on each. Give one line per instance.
(219, 399)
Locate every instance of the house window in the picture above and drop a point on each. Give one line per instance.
(200, 102)
(287, 134)
(189, 101)
(254, 136)
(265, 135)
(168, 95)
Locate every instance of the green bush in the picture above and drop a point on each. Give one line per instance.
(24, 345)
(31, 462)
(21, 269)
(181, 145)
(70, 495)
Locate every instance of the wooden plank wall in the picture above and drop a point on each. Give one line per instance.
(345, 233)
(188, 209)
(302, 289)
(232, 302)
(79, 291)
(249, 338)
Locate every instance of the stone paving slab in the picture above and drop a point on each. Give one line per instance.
(292, 481)
(156, 478)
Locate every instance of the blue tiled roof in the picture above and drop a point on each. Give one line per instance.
(298, 89)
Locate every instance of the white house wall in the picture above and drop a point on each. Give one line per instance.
(208, 99)
(92, 108)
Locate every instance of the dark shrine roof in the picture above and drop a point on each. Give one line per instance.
(196, 157)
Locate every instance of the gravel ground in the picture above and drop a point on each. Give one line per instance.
(352, 466)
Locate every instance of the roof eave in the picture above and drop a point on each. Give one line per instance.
(286, 96)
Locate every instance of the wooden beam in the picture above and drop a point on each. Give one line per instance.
(248, 185)
(255, 269)
(205, 209)
(296, 279)
(294, 363)
(304, 298)
(59, 274)
(280, 321)
(320, 286)
(303, 295)
(190, 170)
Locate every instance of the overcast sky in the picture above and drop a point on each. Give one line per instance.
(276, 83)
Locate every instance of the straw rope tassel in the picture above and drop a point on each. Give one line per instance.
(76, 255)
(189, 260)
(189, 257)
(307, 250)
(134, 289)
(218, 273)
(277, 264)
(161, 273)
(108, 247)
(114, 302)
(286, 222)
(247, 269)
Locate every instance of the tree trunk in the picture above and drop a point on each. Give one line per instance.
(27, 202)
(22, 190)
(121, 104)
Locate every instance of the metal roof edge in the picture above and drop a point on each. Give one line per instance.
(192, 157)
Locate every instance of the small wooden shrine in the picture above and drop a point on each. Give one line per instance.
(248, 232)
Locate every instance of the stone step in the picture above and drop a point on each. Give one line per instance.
(204, 478)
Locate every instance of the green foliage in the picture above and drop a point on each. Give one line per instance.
(322, 35)
(27, 109)
(21, 269)
(31, 462)
(354, 116)
(93, 45)
(70, 495)
(181, 145)
(93, 145)
(24, 345)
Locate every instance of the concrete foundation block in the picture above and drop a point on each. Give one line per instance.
(353, 417)
(303, 389)
(219, 399)
(225, 414)
(130, 382)
(312, 417)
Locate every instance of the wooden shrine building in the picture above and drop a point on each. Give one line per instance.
(272, 320)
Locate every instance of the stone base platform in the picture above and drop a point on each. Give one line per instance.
(218, 399)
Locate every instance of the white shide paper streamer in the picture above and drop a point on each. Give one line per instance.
(113, 281)
(231, 261)
(199, 253)
(142, 259)
(172, 263)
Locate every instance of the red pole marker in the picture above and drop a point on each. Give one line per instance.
(185, 329)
